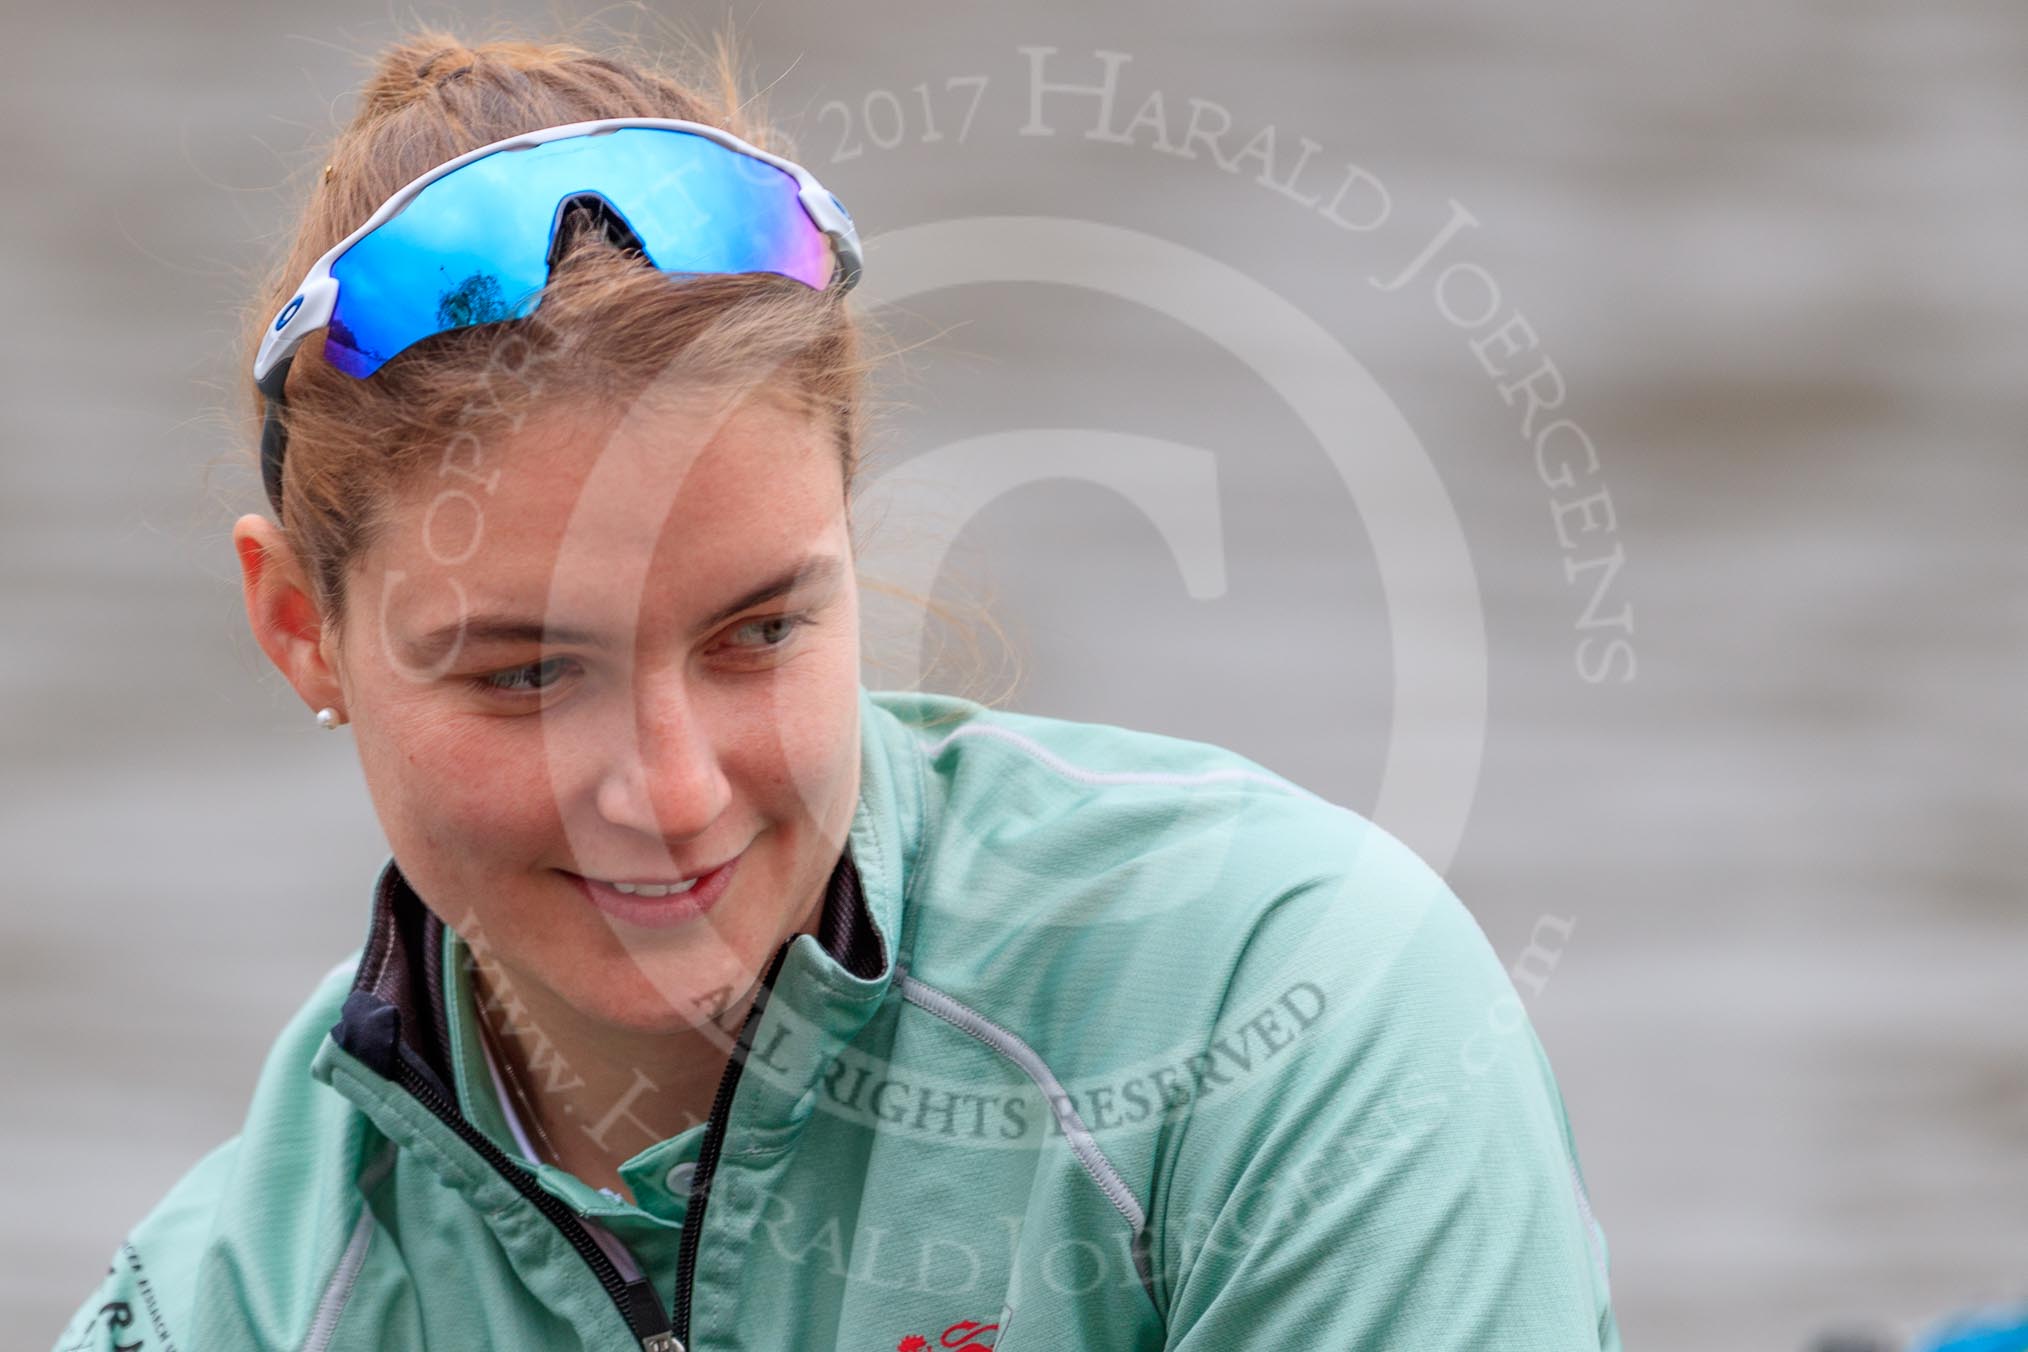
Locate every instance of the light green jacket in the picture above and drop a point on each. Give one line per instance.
(1109, 1041)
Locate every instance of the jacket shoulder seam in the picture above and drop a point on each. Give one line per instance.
(1082, 1143)
(338, 1290)
(1042, 755)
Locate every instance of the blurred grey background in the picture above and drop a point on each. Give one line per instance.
(1775, 252)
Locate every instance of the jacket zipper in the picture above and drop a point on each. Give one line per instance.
(635, 1300)
(708, 1150)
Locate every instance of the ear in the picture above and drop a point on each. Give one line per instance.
(283, 616)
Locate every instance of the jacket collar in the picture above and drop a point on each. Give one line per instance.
(829, 985)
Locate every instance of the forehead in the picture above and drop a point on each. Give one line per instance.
(609, 514)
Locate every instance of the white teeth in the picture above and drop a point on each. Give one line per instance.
(652, 889)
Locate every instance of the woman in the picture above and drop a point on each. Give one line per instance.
(710, 999)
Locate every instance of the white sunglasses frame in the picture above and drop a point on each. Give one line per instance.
(316, 297)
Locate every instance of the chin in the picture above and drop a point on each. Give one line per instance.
(663, 993)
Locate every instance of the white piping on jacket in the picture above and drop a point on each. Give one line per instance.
(331, 1306)
(1082, 1143)
(1036, 751)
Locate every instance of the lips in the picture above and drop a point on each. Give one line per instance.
(639, 904)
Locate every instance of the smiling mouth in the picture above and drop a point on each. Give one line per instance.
(653, 904)
(651, 889)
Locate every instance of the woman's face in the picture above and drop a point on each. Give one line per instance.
(694, 700)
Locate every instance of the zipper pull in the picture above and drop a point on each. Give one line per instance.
(642, 1309)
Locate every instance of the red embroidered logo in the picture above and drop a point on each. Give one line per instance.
(962, 1336)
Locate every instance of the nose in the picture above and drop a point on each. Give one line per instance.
(669, 782)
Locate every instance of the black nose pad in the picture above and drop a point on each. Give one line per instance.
(588, 213)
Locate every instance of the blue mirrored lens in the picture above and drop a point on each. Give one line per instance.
(473, 246)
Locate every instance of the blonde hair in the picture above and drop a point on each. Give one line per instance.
(353, 444)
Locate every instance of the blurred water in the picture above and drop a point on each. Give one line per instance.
(1774, 250)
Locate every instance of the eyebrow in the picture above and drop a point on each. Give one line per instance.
(500, 627)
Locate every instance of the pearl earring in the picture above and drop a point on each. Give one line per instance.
(327, 719)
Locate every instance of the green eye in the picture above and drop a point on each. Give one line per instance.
(524, 680)
(785, 627)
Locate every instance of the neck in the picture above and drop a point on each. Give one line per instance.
(589, 1095)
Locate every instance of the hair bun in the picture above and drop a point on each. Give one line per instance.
(409, 70)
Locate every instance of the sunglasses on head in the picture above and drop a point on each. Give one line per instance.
(473, 241)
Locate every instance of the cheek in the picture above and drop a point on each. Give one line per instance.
(458, 789)
(832, 802)
(807, 744)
